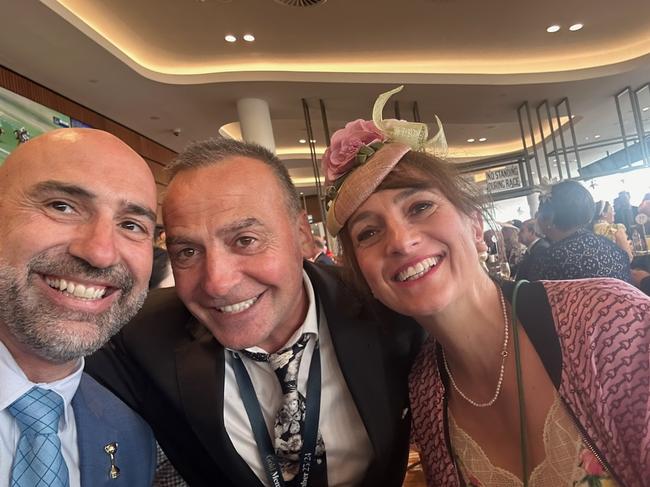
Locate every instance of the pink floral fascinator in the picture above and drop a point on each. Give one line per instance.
(362, 154)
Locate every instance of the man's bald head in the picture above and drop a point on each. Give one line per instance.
(77, 217)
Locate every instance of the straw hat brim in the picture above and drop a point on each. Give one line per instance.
(361, 183)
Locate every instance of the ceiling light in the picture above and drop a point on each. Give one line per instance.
(249, 37)
(302, 141)
(482, 139)
(596, 136)
(575, 27)
(553, 28)
(313, 141)
(645, 109)
(230, 38)
(470, 140)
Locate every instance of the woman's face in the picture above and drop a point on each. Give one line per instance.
(415, 250)
(609, 214)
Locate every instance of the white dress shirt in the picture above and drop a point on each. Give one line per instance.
(13, 384)
(347, 444)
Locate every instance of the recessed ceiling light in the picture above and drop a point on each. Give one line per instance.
(471, 140)
(596, 136)
(302, 141)
(482, 139)
(313, 141)
(553, 28)
(573, 116)
(575, 27)
(249, 37)
(230, 38)
(645, 109)
(586, 138)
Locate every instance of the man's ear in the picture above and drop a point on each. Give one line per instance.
(305, 238)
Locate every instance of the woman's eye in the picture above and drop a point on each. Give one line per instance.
(420, 207)
(366, 235)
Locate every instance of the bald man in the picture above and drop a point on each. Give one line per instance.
(77, 215)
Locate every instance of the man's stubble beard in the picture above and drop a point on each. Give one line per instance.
(53, 332)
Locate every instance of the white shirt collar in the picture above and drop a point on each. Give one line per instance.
(309, 325)
(15, 383)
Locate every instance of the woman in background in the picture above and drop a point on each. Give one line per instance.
(603, 224)
(411, 232)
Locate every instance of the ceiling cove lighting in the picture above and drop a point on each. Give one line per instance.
(249, 37)
(576, 27)
(230, 38)
(552, 28)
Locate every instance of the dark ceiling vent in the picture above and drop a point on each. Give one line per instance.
(301, 3)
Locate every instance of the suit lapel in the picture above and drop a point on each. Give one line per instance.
(200, 367)
(93, 433)
(357, 344)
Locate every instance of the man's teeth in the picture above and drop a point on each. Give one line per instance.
(418, 270)
(76, 289)
(238, 307)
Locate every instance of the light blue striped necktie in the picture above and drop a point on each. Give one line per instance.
(38, 461)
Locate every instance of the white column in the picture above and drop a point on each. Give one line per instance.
(533, 203)
(255, 122)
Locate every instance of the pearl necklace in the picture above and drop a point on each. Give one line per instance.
(504, 354)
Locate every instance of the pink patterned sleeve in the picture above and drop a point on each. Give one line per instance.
(604, 331)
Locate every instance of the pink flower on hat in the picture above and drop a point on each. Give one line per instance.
(346, 143)
(590, 463)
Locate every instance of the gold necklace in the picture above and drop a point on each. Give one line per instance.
(504, 354)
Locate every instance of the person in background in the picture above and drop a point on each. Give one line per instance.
(319, 255)
(624, 212)
(535, 245)
(161, 271)
(411, 230)
(575, 251)
(261, 367)
(514, 250)
(603, 224)
(77, 217)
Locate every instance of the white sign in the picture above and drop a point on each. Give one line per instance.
(503, 179)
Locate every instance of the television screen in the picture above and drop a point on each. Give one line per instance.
(21, 119)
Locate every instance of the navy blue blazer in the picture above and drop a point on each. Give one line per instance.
(101, 419)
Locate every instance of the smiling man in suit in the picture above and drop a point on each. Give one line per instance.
(76, 222)
(260, 368)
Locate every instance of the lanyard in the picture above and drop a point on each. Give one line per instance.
(309, 474)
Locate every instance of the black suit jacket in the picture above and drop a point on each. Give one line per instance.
(170, 369)
(531, 253)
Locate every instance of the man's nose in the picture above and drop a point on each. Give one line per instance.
(221, 274)
(95, 242)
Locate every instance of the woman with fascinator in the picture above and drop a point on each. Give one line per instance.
(540, 384)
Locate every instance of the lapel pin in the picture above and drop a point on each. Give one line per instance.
(111, 450)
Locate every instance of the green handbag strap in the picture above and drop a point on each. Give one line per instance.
(520, 388)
